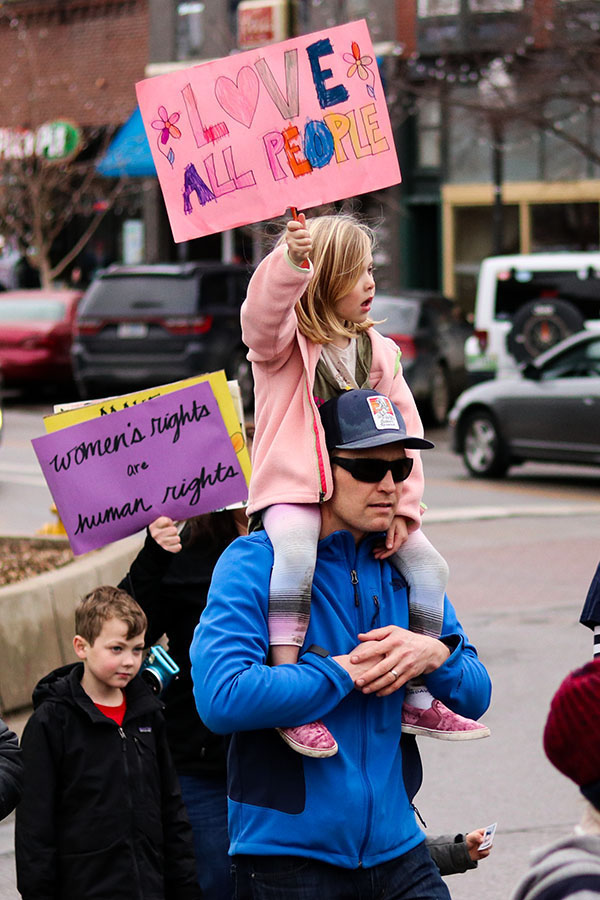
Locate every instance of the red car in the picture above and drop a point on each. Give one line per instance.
(36, 331)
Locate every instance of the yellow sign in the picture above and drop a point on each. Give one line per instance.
(77, 413)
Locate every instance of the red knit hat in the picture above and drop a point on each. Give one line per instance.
(572, 733)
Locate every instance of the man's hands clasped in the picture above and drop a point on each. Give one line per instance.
(388, 657)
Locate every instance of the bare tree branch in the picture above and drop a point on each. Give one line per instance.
(89, 231)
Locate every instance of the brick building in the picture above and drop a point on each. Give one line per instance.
(75, 61)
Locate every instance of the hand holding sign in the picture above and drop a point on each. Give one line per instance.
(298, 240)
(166, 534)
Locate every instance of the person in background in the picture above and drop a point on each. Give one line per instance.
(169, 579)
(11, 770)
(101, 814)
(570, 867)
(590, 614)
(454, 854)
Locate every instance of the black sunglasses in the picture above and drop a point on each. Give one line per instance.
(375, 470)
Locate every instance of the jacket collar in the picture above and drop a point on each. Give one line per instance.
(342, 544)
(64, 685)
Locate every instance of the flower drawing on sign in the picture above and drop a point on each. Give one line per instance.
(168, 129)
(359, 65)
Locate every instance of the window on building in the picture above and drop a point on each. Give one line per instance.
(473, 240)
(495, 6)
(190, 30)
(564, 226)
(357, 9)
(429, 148)
(429, 8)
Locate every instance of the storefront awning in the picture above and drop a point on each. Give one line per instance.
(128, 152)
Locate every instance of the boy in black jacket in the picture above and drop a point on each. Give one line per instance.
(101, 816)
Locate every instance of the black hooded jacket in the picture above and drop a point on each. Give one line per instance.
(11, 770)
(171, 588)
(101, 816)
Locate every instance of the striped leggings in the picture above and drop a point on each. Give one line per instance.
(293, 530)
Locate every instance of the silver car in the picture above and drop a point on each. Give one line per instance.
(549, 412)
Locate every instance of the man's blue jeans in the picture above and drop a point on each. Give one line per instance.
(205, 800)
(412, 876)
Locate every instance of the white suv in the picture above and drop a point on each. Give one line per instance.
(527, 303)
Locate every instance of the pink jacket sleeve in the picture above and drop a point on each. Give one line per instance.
(268, 318)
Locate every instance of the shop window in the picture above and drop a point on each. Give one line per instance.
(564, 226)
(429, 153)
(473, 228)
(495, 6)
(430, 8)
(357, 9)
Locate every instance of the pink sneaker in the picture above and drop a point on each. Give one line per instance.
(440, 722)
(312, 739)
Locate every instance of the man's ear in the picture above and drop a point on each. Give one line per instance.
(81, 646)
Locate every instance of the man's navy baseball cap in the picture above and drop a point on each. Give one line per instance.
(360, 418)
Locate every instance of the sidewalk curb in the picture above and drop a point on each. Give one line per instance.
(36, 617)
(476, 513)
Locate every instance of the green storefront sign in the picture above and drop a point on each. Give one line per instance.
(52, 141)
(57, 140)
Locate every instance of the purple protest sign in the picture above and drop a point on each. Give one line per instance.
(112, 475)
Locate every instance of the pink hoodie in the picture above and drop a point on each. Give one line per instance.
(290, 463)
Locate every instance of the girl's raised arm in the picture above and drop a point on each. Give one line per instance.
(267, 314)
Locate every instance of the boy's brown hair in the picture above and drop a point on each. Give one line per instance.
(104, 603)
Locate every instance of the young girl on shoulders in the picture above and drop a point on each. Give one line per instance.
(306, 323)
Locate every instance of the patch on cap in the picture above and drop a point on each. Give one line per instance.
(382, 411)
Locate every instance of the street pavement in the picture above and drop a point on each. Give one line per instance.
(522, 553)
(518, 586)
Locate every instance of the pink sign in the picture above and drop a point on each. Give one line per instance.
(243, 138)
(114, 474)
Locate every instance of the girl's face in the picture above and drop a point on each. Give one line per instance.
(356, 304)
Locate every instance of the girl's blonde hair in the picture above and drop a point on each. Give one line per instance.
(340, 244)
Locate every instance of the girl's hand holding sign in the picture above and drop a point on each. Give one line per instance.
(298, 240)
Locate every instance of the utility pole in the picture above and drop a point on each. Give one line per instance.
(497, 130)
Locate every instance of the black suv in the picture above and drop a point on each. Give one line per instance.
(138, 326)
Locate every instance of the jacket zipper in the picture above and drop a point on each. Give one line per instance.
(367, 783)
(123, 737)
(376, 613)
(354, 580)
(319, 451)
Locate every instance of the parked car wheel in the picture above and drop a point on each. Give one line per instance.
(484, 453)
(439, 401)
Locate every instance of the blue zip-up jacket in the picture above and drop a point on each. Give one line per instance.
(351, 809)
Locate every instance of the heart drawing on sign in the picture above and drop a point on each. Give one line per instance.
(239, 98)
